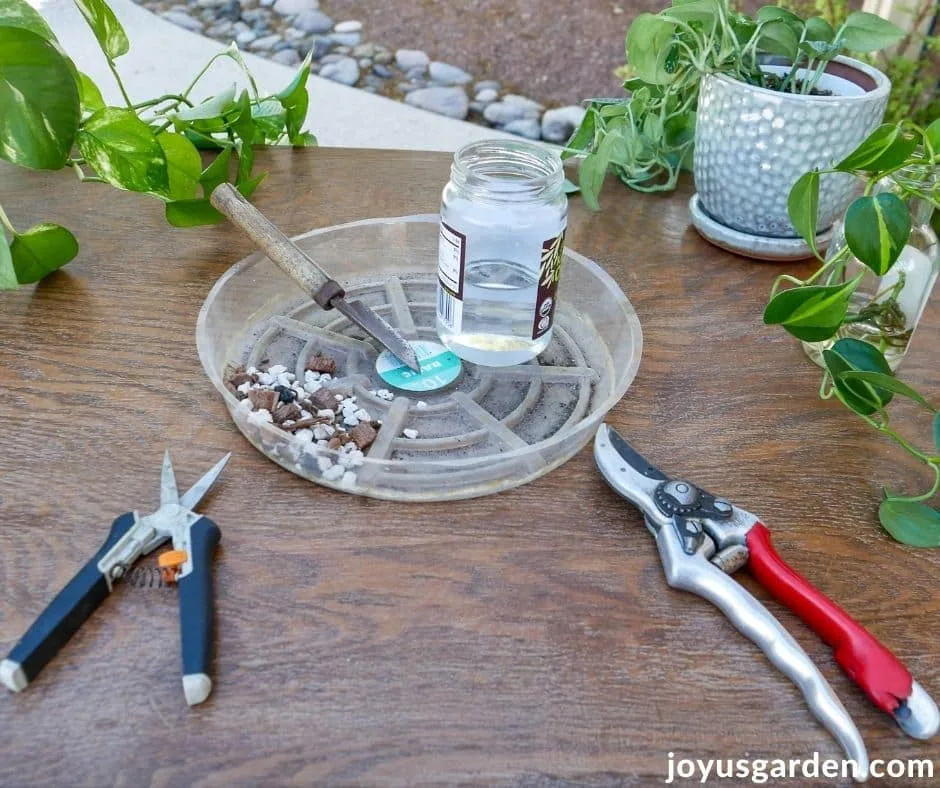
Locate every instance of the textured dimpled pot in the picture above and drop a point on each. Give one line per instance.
(752, 144)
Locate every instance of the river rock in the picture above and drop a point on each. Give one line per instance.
(286, 57)
(313, 21)
(349, 26)
(449, 101)
(345, 39)
(184, 20)
(345, 71)
(533, 107)
(486, 96)
(446, 74)
(384, 72)
(408, 59)
(525, 127)
(294, 7)
(559, 124)
(487, 84)
(245, 38)
(499, 113)
(265, 43)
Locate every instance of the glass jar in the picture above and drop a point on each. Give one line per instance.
(885, 310)
(503, 219)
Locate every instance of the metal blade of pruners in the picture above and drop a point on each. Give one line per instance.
(325, 290)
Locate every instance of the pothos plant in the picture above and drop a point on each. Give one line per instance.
(826, 306)
(52, 116)
(647, 138)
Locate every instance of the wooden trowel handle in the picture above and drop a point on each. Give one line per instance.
(288, 257)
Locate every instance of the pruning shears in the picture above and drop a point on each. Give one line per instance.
(188, 565)
(703, 539)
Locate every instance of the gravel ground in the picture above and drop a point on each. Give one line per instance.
(556, 51)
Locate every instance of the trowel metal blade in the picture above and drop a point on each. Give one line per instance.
(376, 327)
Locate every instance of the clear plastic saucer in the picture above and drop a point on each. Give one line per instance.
(492, 429)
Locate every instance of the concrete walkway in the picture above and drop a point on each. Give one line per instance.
(164, 59)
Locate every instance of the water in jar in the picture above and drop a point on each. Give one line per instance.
(502, 242)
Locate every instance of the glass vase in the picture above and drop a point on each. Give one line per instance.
(885, 310)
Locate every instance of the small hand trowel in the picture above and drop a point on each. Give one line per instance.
(325, 290)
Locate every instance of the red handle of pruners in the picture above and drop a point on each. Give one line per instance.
(875, 669)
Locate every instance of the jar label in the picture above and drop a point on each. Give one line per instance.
(549, 274)
(451, 260)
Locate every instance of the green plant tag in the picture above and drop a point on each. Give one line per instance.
(123, 151)
(910, 522)
(864, 32)
(811, 313)
(41, 250)
(852, 354)
(8, 280)
(104, 24)
(39, 103)
(876, 229)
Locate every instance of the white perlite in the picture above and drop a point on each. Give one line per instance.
(409, 433)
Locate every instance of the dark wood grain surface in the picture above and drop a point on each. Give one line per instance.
(527, 638)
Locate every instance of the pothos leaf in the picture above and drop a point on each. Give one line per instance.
(18, 13)
(648, 48)
(876, 230)
(932, 136)
(936, 430)
(39, 103)
(812, 313)
(887, 382)
(41, 250)
(184, 165)
(583, 136)
(123, 150)
(91, 97)
(105, 26)
(216, 172)
(803, 207)
(295, 100)
(853, 354)
(8, 280)
(910, 522)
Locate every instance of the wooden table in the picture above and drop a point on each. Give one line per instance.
(524, 638)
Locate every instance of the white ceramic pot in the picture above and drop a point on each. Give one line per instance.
(752, 144)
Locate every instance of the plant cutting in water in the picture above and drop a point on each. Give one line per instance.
(48, 109)
(648, 137)
(860, 335)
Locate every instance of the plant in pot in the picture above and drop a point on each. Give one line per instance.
(52, 116)
(857, 312)
(759, 99)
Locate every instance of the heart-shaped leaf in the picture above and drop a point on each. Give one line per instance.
(818, 29)
(41, 250)
(848, 355)
(886, 382)
(705, 12)
(39, 103)
(269, 117)
(812, 313)
(123, 150)
(19, 13)
(910, 522)
(214, 107)
(295, 99)
(104, 24)
(803, 207)
(184, 165)
(306, 139)
(649, 47)
(8, 280)
(884, 149)
(779, 37)
(932, 135)
(192, 213)
(768, 13)
(864, 32)
(216, 172)
(876, 229)
(90, 95)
